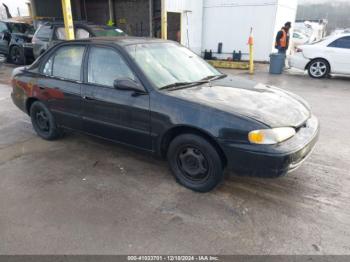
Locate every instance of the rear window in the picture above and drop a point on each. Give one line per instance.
(107, 31)
(44, 32)
(21, 28)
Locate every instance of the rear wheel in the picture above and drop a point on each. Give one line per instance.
(43, 122)
(318, 68)
(195, 163)
(17, 55)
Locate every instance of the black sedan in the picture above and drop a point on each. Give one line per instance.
(160, 97)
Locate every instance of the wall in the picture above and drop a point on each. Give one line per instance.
(194, 27)
(229, 22)
(133, 16)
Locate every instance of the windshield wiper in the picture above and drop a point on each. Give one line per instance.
(213, 77)
(183, 84)
(204, 80)
(174, 85)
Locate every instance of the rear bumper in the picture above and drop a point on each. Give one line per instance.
(298, 61)
(273, 160)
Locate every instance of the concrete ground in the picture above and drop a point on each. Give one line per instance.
(81, 195)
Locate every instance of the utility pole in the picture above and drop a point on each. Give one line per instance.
(150, 3)
(68, 19)
(164, 22)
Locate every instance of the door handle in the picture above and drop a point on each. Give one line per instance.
(88, 98)
(42, 88)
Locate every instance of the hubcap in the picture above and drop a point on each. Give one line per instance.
(318, 69)
(42, 121)
(192, 163)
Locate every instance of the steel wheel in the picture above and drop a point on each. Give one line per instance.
(42, 121)
(193, 163)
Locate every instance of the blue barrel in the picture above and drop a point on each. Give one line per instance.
(277, 63)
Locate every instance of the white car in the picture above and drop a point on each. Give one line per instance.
(299, 39)
(328, 56)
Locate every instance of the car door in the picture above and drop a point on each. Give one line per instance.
(60, 84)
(339, 53)
(120, 115)
(4, 38)
(41, 40)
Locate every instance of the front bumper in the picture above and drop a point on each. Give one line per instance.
(273, 160)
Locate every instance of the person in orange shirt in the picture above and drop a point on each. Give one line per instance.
(282, 38)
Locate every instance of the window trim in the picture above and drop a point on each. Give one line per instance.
(53, 54)
(86, 66)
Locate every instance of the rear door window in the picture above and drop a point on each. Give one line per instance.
(343, 42)
(65, 63)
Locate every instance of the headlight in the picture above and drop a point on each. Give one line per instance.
(270, 136)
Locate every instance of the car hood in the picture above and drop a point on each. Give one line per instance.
(269, 105)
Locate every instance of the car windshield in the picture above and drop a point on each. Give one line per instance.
(21, 28)
(107, 31)
(167, 64)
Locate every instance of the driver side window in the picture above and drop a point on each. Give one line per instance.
(105, 65)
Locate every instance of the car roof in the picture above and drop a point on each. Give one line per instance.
(122, 40)
(13, 21)
(80, 23)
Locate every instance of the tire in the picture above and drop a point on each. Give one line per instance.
(17, 55)
(195, 163)
(43, 122)
(318, 68)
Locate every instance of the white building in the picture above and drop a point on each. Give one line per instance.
(229, 21)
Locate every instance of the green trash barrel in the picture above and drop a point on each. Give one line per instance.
(277, 61)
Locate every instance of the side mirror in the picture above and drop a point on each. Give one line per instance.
(128, 84)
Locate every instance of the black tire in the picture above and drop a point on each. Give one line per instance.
(43, 122)
(319, 68)
(17, 55)
(195, 163)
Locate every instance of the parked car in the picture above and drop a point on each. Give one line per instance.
(15, 40)
(158, 96)
(51, 33)
(328, 56)
(299, 39)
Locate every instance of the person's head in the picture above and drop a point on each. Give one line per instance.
(288, 25)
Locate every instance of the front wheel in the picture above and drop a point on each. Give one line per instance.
(195, 163)
(318, 68)
(43, 122)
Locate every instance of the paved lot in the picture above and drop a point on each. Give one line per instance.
(84, 195)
